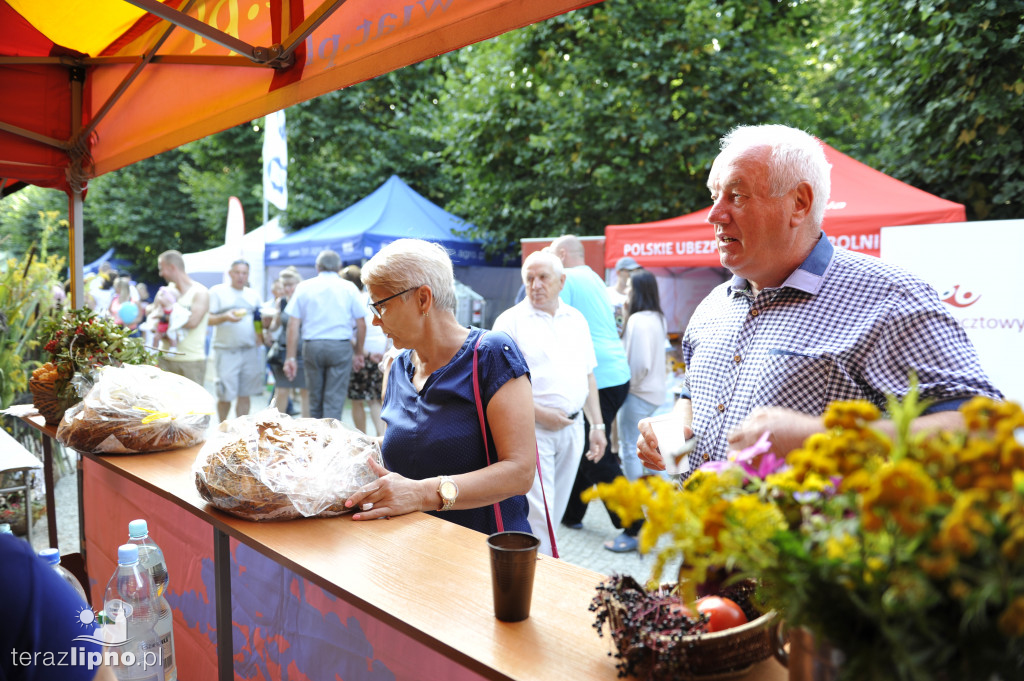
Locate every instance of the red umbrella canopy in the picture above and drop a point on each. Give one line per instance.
(863, 201)
(89, 86)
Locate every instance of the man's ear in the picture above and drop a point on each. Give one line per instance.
(803, 199)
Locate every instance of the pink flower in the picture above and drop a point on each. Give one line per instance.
(758, 459)
(718, 466)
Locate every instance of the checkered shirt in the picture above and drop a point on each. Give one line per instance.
(843, 326)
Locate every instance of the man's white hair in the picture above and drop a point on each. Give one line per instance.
(543, 256)
(795, 157)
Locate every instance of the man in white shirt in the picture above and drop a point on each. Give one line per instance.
(240, 374)
(327, 309)
(555, 340)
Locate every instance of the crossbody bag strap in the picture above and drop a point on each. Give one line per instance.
(498, 522)
(483, 429)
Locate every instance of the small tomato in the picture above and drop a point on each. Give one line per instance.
(722, 613)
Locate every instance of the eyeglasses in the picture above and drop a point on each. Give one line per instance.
(378, 307)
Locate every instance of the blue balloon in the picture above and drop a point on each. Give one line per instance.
(128, 312)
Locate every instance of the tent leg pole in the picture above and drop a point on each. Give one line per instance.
(76, 247)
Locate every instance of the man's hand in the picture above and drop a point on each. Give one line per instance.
(647, 444)
(291, 367)
(550, 418)
(598, 443)
(358, 362)
(787, 429)
(647, 449)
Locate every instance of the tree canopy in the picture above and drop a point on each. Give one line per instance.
(610, 114)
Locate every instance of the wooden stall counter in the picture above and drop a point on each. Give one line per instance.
(404, 598)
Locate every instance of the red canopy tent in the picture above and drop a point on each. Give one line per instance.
(90, 86)
(863, 201)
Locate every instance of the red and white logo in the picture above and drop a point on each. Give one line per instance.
(959, 298)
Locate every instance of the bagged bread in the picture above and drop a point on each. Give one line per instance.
(270, 466)
(136, 409)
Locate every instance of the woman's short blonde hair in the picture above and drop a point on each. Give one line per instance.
(411, 263)
(290, 274)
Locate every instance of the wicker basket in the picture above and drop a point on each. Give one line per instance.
(44, 397)
(704, 657)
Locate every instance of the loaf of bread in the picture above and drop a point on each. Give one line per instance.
(137, 409)
(269, 466)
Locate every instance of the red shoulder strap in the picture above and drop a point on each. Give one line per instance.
(483, 430)
(483, 426)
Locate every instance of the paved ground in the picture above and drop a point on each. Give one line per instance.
(580, 547)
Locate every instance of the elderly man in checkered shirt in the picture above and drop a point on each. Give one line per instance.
(802, 323)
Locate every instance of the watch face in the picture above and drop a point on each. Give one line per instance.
(448, 490)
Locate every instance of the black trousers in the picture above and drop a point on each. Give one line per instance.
(605, 470)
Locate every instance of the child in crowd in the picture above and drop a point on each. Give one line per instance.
(166, 318)
(124, 306)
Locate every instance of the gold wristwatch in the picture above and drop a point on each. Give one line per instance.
(448, 491)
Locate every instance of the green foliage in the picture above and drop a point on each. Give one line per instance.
(26, 296)
(27, 214)
(219, 167)
(142, 211)
(612, 114)
(609, 114)
(345, 144)
(944, 83)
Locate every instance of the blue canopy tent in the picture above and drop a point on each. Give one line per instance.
(116, 263)
(392, 211)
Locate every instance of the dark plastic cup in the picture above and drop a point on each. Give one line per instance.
(513, 563)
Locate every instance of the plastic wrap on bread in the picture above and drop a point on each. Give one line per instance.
(270, 466)
(135, 409)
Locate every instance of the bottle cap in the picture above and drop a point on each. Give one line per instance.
(127, 554)
(138, 528)
(51, 556)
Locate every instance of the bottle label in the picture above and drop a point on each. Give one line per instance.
(167, 644)
(116, 608)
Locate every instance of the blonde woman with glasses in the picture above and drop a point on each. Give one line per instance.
(435, 458)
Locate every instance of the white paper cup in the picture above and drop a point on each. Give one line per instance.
(672, 442)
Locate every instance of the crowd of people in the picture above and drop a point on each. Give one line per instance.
(800, 324)
(506, 428)
(502, 429)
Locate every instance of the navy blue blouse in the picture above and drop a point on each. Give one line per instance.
(436, 431)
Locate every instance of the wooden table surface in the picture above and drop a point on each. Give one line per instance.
(426, 577)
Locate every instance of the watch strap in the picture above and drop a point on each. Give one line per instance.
(446, 502)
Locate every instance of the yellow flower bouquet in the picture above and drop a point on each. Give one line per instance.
(906, 554)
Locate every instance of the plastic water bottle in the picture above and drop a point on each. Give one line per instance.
(152, 560)
(257, 323)
(52, 556)
(130, 603)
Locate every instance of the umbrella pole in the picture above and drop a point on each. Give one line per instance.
(76, 181)
(76, 247)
